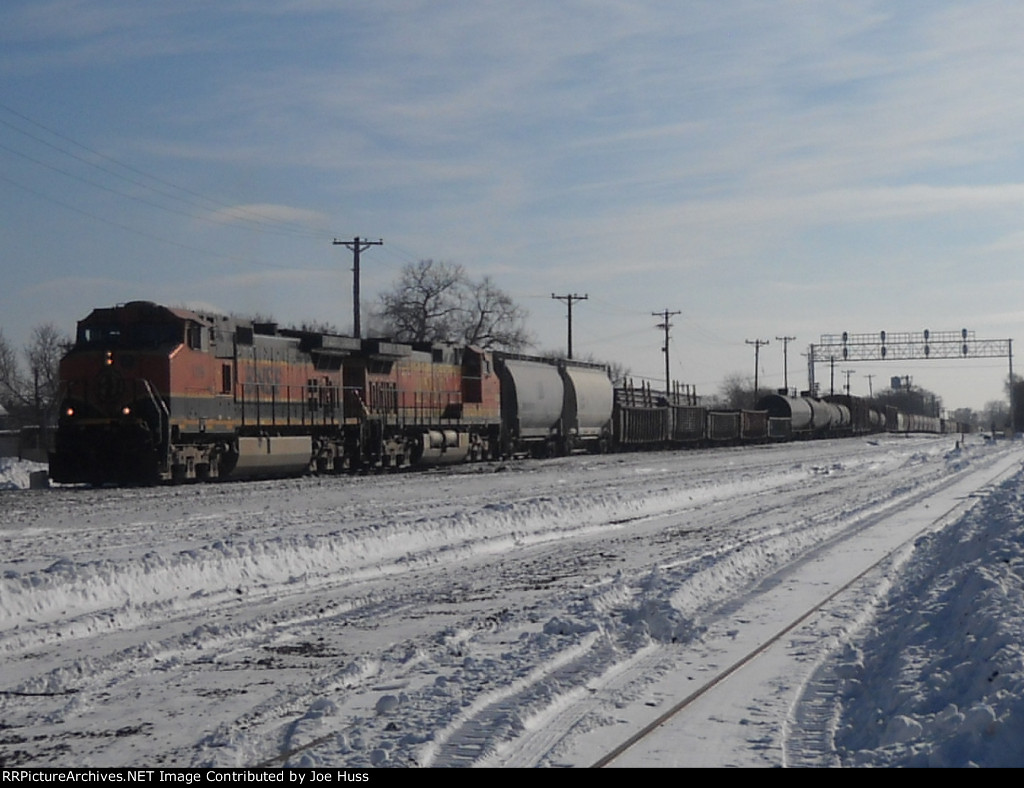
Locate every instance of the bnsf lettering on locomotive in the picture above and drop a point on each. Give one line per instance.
(262, 375)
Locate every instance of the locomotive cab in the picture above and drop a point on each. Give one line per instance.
(114, 421)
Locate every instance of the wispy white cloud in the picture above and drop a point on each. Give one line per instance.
(270, 215)
(662, 151)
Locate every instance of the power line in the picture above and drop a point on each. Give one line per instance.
(133, 230)
(193, 198)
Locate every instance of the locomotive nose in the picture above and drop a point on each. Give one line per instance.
(109, 386)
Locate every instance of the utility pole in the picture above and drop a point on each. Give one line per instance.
(847, 372)
(356, 245)
(568, 301)
(785, 360)
(758, 344)
(871, 392)
(1013, 405)
(665, 326)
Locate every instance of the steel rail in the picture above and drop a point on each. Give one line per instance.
(732, 669)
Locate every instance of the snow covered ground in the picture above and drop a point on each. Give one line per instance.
(520, 614)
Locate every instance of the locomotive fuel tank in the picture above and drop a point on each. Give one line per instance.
(279, 455)
(443, 447)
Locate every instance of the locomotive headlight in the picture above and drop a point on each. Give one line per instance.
(110, 358)
(126, 411)
(69, 412)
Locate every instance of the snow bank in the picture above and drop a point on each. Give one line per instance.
(939, 679)
(15, 474)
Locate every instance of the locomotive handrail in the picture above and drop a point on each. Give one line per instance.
(163, 415)
(285, 407)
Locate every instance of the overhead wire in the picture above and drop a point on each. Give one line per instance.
(226, 214)
(172, 191)
(130, 229)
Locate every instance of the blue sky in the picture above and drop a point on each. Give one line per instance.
(766, 169)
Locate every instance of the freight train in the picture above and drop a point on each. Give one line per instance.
(151, 393)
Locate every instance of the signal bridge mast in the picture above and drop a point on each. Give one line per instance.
(908, 346)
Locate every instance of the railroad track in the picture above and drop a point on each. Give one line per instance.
(671, 738)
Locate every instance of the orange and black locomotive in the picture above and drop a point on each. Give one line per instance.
(151, 393)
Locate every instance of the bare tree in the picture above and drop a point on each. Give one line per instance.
(11, 384)
(967, 416)
(422, 306)
(437, 302)
(736, 391)
(491, 319)
(995, 415)
(33, 394)
(44, 352)
(914, 400)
